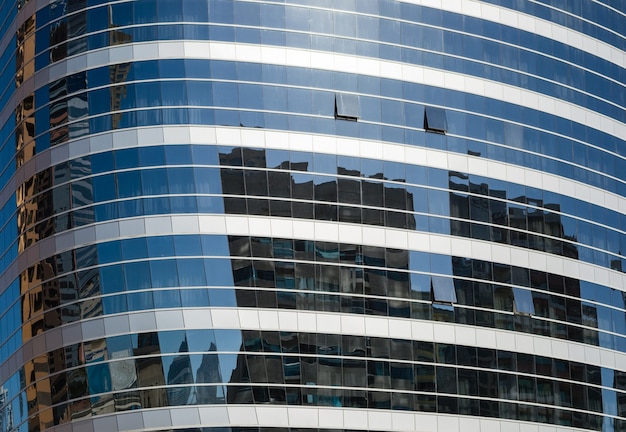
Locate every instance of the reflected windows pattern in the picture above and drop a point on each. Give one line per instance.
(188, 367)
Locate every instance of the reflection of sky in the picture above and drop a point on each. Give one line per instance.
(228, 363)
(609, 397)
(171, 342)
(200, 340)
(222, 297)
(420, 282)
(166, 361)
(228, 341)
(607, 425)
(196, 362)
(99, 378)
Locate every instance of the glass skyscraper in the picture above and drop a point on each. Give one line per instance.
(313, 215)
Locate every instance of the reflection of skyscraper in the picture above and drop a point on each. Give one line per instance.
(6, 416)
(208, 373)
(178, 374)
(333, 215)
(149, 371)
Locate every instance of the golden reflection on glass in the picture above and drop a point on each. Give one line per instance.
(25, 53)
(25, 130)
(38, 393)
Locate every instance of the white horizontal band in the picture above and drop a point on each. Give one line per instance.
(302, 417)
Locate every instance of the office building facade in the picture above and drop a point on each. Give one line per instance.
(300, 215)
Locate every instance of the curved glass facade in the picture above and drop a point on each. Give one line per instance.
(312, 215)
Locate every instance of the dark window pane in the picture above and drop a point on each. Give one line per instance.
(435, 120)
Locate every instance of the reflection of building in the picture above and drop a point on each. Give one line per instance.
(24, 114)
(493, 218)
(208, 372)
(334, 215)
(6, 416)
(149, 371)
(118, 72)
(179, 373)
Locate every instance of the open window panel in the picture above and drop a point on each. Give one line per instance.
(443, 289)
(347, 106)
(435, 120)
(523, 301)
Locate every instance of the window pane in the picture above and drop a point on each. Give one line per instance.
(347, 106)
(435, 119)
(523, 301)
(443, 289)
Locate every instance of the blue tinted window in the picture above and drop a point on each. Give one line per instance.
(164, 273)
(216, 245)
(222, 297)
(105, 212)
(130, 208)
(181, 180)
(154, 206)
(166, 298)
(218, 272)
(205, 155)
(191, 272)
(137, 275)
(154, 181)
(151, 156)
(140, 301)
(184, 204)
(104, 187)
(187, 245)
(178, 154)
(109, 252)
(127, 158)
(102, 162)
(134, 248)
(198, 297)
(207, 180)
(129, 184)
(111, 279)
(228, 340)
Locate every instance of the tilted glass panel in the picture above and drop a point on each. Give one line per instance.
(443, 289)
(347, 106)
(435, 120)
(523, 301)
